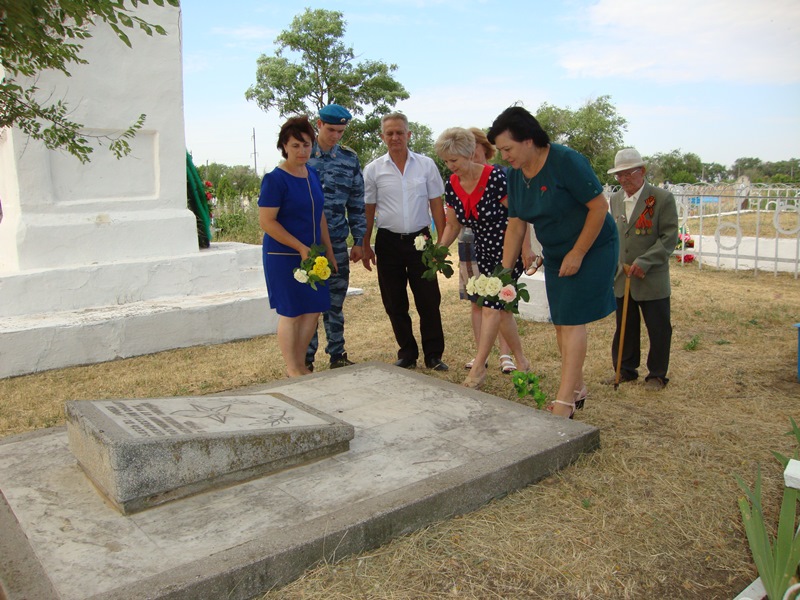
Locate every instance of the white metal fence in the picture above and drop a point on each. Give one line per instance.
(739, 226)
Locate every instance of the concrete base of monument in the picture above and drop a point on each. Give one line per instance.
(142, 453)
(536, 308)
(424, 450)
(53, 318)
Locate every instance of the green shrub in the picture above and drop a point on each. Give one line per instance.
(238, 226)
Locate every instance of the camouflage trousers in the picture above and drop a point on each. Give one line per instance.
(333, 319)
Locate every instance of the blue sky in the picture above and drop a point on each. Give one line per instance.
(720, 78)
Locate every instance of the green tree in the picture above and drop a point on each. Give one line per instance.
(595, 130)
(749, 166)
(783, 171)
(212, 172)
(363, 136)
(231, 184)
(37, 35)
(714, 172)
(326, 72)
(674, 167)
(243, 181)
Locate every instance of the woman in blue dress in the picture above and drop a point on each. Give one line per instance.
(554, 188)
(290, 213)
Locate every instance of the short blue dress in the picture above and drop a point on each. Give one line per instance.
(299, 201)
(555, 202)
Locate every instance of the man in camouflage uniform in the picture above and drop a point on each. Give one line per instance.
(340, 174)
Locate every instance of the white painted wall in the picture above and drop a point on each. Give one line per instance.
(59, 212)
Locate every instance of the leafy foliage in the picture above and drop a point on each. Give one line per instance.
(594, 130)
(239, 226)
(434, 257)
(326, 72)
(232, 184)
(527, 384)
(36, 35)
(783, 171)
(777, 558)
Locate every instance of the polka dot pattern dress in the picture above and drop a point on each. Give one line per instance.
(483, 211)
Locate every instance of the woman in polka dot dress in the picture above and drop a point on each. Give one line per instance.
(476, 197)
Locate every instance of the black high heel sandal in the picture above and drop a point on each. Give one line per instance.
(580, 397)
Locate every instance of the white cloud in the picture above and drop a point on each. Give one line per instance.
(254, 37)
(689, 41)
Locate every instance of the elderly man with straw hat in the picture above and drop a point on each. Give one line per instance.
(647, 220)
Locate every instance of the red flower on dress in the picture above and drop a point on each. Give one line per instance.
(543, 188)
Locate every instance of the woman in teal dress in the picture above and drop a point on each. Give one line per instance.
(554, 188)
(291, 216)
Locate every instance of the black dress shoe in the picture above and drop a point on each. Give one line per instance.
(436, 364)
(405, 363)
(341, 361)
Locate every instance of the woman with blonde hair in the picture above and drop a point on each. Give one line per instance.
(476, 197)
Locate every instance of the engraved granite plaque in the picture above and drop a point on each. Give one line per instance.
(141, 453)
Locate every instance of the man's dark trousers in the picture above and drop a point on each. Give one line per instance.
(659, 329)
(400, 265)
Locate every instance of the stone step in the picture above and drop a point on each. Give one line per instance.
(45, 341)
(222, 267)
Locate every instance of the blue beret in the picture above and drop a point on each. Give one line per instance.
(335, 115)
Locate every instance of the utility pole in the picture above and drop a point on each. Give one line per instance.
(255, 154)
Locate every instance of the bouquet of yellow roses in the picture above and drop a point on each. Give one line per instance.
(315, 269)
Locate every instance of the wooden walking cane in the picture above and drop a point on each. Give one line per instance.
(627, 269)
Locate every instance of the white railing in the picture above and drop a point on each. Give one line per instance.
(738, 226)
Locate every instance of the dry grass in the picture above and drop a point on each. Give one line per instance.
(651, 514)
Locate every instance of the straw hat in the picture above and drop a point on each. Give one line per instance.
(627, 158)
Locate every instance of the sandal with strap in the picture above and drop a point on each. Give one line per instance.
(580, 397)
(507, 365)
(468, 366)
(570, 404)
(535, 265)
(474, 383)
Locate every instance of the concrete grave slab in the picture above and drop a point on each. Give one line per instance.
(424, 450)
(142, 453)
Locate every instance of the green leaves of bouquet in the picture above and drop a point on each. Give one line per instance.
(498, 287)
(434, 257)
(315, 269)
(527, 384)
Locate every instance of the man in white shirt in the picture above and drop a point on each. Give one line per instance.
(404, 189)
(647, 220)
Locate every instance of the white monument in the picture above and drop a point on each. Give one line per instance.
(100, 261)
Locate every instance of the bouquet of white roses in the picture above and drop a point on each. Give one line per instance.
(315, 269)
(434, 257)
(498, 287)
